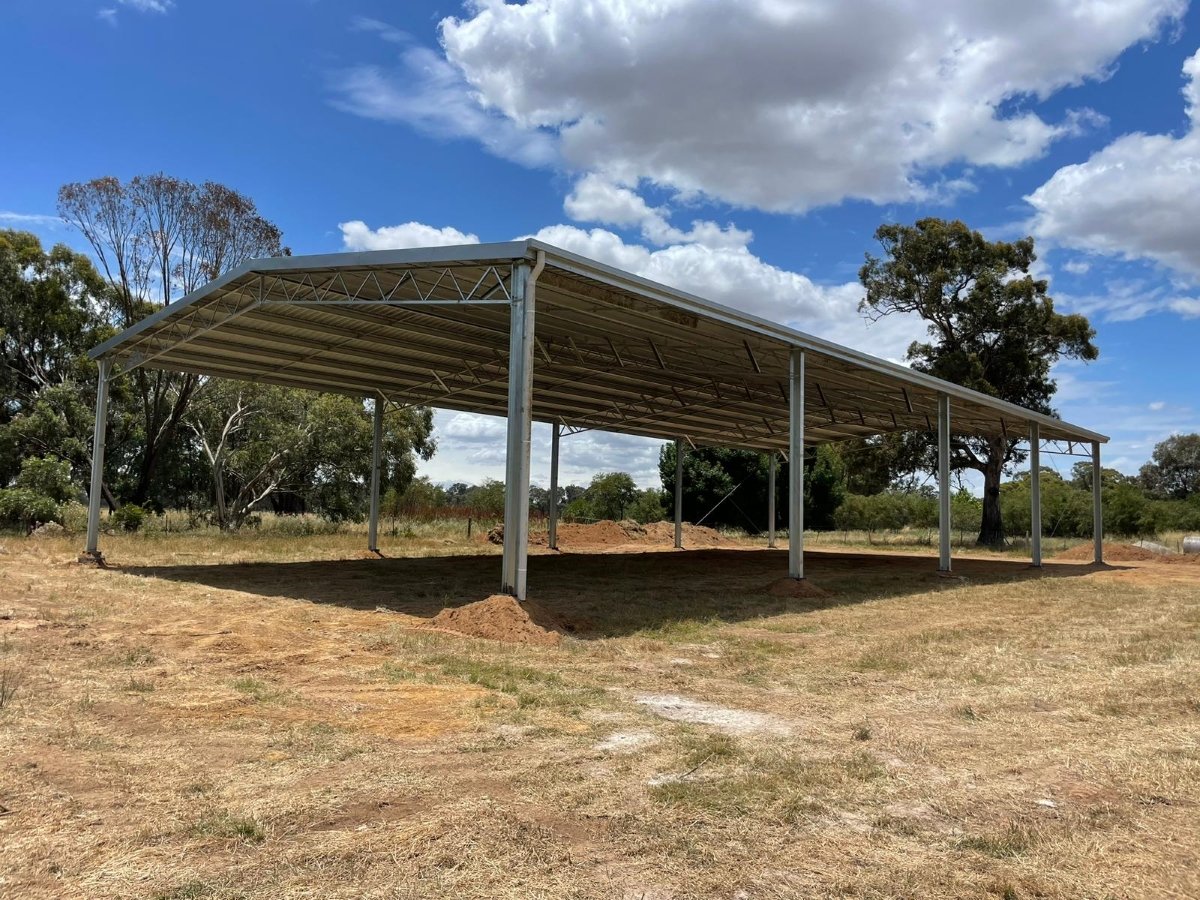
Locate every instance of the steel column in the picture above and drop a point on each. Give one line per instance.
(1035, 492)
(771, 499)
(555, 436)
(796, 464)
(678, 493)
(1097, 504)
(520, 420)
(943, 482)
(378, 407)
(98, 435)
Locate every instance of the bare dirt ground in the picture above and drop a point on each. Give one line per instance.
(276, 718)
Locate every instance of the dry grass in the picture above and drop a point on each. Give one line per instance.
(255, 717)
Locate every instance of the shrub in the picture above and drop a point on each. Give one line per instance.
(129, 517)
(25, 509)
(47, 477)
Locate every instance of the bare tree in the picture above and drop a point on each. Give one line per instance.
(164, 232)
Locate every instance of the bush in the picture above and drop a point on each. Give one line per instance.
(26, 509)
(129, 517)
(47, 477)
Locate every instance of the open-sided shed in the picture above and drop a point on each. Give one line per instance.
(531, 332)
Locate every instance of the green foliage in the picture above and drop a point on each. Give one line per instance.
(48, 477)
(992, 327)
(21, 508)
(648, 506)
(889, 511)
(615, 495)
(129, 517)
(1174, 469)
(42, 486)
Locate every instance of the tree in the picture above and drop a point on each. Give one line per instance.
(52, 307)
(992, 328)
(259, 439)
(1174, 469)
(156, 238)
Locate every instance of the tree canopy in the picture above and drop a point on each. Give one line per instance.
(992, 328)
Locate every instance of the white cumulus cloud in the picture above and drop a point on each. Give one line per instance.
(357, 235)
(762, 103)
(1138, 198)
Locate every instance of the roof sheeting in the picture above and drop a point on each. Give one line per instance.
(613, 351)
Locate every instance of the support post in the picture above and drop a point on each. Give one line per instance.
(796, 465)
(1035, 492)
(678, 493)
(96, 489)
(1097, 504)
(520, 422)
(376, 467)
(771, 500)
(555, 436)
(943, 482)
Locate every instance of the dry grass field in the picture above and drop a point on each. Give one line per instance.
(264, 716)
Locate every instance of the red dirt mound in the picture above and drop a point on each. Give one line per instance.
(790, 587)
(1112, 553)
(501, 618)
(606, 533)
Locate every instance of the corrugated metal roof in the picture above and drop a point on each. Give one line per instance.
(613, 351)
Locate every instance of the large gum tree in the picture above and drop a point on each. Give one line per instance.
(992, 328)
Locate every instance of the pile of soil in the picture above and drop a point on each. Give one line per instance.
(1114, 553)
(790, 587)
(501, 618)
(606, 533)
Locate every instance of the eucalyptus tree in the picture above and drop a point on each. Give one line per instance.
(992, 327)
(155, 239)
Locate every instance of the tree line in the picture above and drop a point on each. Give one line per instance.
(223, 449)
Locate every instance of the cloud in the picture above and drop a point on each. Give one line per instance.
(1135, 199)
(36, 220)
(596, 199)
(429, 94)
(357, 235)
(149, 6)
(1077, 266)
(1157, 405)
(760, 103)
(108, 15)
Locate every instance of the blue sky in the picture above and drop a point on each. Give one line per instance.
(744, 151)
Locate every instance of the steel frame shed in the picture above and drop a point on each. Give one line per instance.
(529, 331)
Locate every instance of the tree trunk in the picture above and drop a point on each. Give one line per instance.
(991, 529)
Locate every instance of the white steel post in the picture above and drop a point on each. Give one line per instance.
(98, 436)
(1097, 504)
(520, 421)
(555, 435)
(771, 500)
(796, 465)
(1035, 492)
(376, 465)
(943, 482)
(678, 493)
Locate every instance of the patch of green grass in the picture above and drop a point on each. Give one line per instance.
(223, 824)
(530, 687)
(397, 674)
(861, 731)
(778, 786)
(675, 631)
(140, 685)
(1015, 840)
(257, 689)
